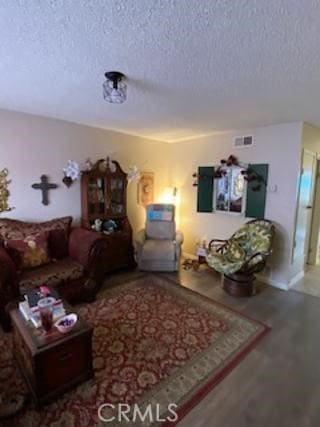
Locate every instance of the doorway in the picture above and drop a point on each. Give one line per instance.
(307, 237)
(300, 256)
(314, 244)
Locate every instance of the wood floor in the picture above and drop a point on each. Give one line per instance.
(310, 283)
(278, 383)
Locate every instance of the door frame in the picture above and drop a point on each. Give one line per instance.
(312, 153)
(315, 219)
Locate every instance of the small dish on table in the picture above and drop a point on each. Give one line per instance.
(66, 323)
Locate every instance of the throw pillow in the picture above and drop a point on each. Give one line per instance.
(58, 244)
(234, 252)
(15, 229)
(32, 251)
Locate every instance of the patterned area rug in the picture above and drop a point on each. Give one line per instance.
(154, 342)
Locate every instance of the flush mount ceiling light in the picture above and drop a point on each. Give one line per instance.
(114, 88)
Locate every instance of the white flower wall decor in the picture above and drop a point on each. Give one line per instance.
(71, 173)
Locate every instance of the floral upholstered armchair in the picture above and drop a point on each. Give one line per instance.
(241, 256)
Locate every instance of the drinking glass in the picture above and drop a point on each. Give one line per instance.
(46, 312)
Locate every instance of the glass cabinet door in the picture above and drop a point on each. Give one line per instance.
(96, 195)
(117, 194)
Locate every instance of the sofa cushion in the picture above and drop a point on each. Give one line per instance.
(32, 251)
(230, 260)
(51, 274)
(221, 264)
(164, 250)
(15, 229)
(58, 243)
(255, 237)
(160, 230)
(160, 222)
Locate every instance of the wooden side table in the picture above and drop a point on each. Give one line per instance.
(54, 363)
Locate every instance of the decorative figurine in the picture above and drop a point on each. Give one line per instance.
(109, 226)
(97, 226)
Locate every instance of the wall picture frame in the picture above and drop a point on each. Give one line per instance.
(145, 190)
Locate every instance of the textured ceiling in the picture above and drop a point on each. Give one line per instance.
(195, 67)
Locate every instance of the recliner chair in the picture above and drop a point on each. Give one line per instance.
(158, 245)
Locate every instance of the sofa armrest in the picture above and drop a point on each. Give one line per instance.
(82, 245)
(179, 237)
(9, 287)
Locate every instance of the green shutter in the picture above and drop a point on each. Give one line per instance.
(205, 188)
(256, 200)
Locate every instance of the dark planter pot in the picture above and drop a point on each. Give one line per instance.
(239, 284)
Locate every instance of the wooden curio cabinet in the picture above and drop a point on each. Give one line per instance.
(103, 193)
(104, 197)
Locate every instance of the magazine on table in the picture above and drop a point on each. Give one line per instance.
(33, 314)
(36, 294)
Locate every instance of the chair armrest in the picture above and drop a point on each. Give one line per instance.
(262, 254)
(82, 245)
(179, 237)
(9, 287)
(259, 265)
(140, 238)
(216, 245)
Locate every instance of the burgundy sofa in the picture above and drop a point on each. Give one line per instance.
(76, 267)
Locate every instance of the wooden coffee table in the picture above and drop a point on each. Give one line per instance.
(54, 363)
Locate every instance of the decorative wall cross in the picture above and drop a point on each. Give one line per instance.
(44, 186)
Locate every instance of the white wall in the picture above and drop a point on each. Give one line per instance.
(311, 138)
(31, 146)
(280, 147)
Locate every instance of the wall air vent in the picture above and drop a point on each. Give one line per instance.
(243, 141)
